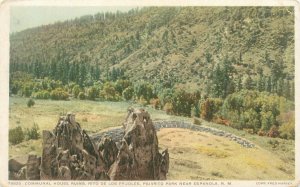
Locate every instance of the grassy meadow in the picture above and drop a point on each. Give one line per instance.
(93, 116)
(193, 155)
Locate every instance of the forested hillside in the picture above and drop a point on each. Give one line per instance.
(174, 46)
(201, 61)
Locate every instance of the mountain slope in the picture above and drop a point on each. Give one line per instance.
(181, 45)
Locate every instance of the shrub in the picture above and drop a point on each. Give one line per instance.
(59, 94)
(168, 108)
(274, 143)
(30, 103)
(76, 90)
(32, 133)
(142, 101)
(250, 131)
(197, 121)
(27, 90)
(128, 93)
(261, 132)
(267, 120)
(273, 132)
(221, 120)
(81, 96)
(195, 112)
(287, 131)
(109, 92)
(155, 103)
(44, 94)
(210, 107)
(92, 93)
(16, 135)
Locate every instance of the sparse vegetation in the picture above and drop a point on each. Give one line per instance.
(30, 103)
(32, 133)
(16, 135)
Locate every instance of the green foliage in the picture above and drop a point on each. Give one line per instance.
(259, 111)
(76, 90)
(32, 133)
(222, 82)
(273, 132)
(27, 90)
(109, 92)
(81, 96)
(155, 103)
(168, 108)
(16, 135)
(210, 107)
(44, 94)
(30, 103)
(183, 102)
(121, 85)
(92, 93)
(287, 131)
(163, 44)
(59, 94)
(267, 120)
(143, 89)
(128, 93)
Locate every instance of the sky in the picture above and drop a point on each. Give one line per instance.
(24, 17)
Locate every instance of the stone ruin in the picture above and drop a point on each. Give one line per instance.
(70, 154)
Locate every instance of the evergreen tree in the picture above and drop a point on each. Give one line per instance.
(269, 84)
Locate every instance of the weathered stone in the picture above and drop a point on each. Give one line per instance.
(138, 157)
(33, 167)
(70, 154)
(14, 165)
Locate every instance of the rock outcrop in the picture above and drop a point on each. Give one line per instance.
(138, 157)
(70, 154)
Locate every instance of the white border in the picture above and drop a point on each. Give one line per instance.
(4, 73)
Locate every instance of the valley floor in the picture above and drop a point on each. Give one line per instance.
(193, 155)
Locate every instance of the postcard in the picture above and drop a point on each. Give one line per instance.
(150, 93)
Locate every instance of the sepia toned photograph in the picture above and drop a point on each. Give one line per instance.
(197, 94)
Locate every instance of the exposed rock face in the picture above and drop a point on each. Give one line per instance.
(70, 154)
(138, 157)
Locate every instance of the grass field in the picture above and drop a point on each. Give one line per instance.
(193, 155)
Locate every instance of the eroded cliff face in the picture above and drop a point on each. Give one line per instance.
(70, 154)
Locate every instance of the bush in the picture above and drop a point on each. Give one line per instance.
(109, 92)
(27, 90)
(44, 94)
(59, 94)
(210, 107)
(273, 132)
(142, 101)
(30, 103)
(155, 103)
(81, 96)
(197, 121)
(128, 93)
(261, 132)
(76, 90)
(92, 93)
(168, 108)
(287, 131)
(32, 133)
(16, 135)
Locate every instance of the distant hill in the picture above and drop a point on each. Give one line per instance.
(177, 45)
